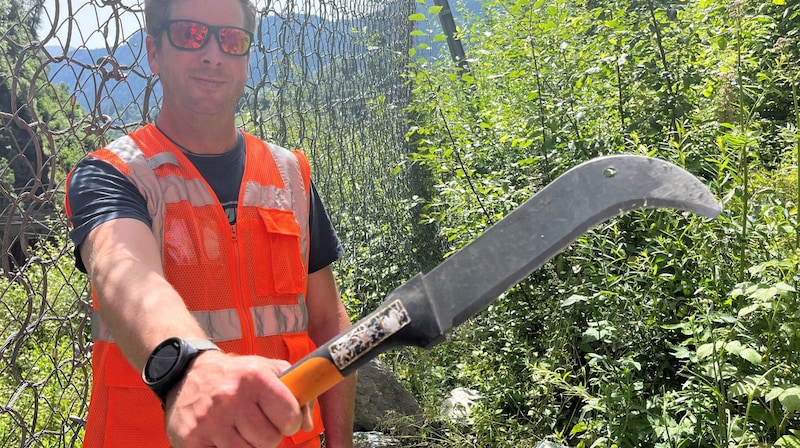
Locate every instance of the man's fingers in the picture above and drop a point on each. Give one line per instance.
(230, 438)
(255, 428)
(308, 417)
(280, 406)
(280, 365)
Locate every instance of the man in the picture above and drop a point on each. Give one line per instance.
(208, 253)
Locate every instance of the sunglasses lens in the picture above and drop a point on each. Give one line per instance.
(234, 41)
(189, 35)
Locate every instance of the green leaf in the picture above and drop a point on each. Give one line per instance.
(739, 389)
(706, 350)
(723, 371)
(773, 393)
(751, 356)
(579, 428)
(592, 335)
(787, 441)
(416, 17)
(573, 299)
(790, 399)
(734, 347)
(769, 265)
(766, 294)
(748, 309)
(680, 351)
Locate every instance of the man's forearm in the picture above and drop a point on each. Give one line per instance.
(338, 405)
(137, 304)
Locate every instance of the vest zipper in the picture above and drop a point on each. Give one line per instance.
(248, 333)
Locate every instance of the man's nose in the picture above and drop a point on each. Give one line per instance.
(213, 53)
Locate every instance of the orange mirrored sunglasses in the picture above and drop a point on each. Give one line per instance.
(191, 35)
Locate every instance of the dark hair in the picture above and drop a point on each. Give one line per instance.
(156, 12)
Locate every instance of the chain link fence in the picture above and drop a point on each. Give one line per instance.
(326, 76)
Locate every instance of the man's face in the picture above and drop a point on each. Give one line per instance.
(206, 80)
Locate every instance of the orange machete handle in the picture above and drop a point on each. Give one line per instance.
(404, 318)
(310, 378)
(390, 325)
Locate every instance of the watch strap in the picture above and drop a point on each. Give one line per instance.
(201, 345)
(189, 349)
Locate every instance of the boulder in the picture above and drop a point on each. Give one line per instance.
(383, 404)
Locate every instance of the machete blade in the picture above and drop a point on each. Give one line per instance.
(422, 310)
(555, 217)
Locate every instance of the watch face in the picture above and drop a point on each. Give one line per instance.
(163, 360)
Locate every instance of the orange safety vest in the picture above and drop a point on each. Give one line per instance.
(245, 284)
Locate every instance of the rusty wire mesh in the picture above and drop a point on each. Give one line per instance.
(325, 76)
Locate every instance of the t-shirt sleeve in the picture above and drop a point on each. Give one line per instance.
(325, 245)
(97, 193)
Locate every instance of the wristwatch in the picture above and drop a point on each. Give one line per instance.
(168, 362)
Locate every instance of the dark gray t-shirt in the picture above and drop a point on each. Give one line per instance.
(98, 192)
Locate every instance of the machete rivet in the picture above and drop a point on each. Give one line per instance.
(610, 172)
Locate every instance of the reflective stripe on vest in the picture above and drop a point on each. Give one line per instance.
(223, 325)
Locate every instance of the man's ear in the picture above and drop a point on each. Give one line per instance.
(152, 53)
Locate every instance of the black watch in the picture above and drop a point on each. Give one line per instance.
(168, 362)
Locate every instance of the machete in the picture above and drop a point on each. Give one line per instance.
(421, 311)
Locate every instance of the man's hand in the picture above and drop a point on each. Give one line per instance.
(233, 401)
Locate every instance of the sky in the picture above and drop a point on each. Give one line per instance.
(92, 23)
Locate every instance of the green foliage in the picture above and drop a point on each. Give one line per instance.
(657, 328)
(44, 372)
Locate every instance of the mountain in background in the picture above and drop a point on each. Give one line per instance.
(118, 84)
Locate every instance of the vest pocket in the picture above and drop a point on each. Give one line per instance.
(134, 419)
(133, 416)
(298, 345)
(277, 254)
